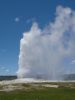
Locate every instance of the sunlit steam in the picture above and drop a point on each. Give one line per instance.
(43, 50)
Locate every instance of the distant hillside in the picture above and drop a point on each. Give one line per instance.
(65, 77)
(69, 77)
(7, 78)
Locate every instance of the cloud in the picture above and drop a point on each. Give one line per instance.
(73, 62)
(31, 20)
(42, 50)
(7, 70)
(17, 19)
(3, 50)
(2, 68)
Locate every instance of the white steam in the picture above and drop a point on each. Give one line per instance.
(42, 50)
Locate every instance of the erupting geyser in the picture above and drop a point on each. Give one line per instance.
(43, 50)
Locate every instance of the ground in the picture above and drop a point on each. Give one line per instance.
(38, 91)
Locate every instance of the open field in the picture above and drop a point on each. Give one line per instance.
(40, 94)
(38, 91)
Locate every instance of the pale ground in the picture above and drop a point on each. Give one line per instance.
(28, 83)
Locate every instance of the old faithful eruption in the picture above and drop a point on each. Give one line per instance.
(42, 50)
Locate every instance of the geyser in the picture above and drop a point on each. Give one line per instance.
(43, 50)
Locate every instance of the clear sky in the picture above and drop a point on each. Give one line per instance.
(16, 17)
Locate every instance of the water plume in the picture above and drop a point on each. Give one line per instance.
(43, 50)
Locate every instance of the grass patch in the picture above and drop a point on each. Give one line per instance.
(40, 94)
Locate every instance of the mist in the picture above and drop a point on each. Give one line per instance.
(42, 50)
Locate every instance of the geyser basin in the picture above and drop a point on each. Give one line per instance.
(42, 50)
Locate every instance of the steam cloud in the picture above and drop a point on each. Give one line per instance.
(43, 50)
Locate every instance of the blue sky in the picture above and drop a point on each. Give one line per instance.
(16, 17)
